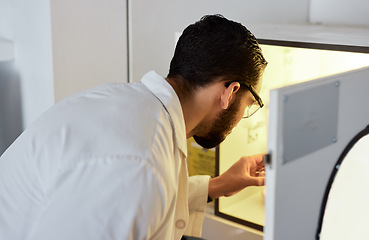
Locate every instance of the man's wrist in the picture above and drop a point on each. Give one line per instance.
(214, 191)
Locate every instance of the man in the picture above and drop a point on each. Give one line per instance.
(110, 162)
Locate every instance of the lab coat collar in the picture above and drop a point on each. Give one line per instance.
(168, 97)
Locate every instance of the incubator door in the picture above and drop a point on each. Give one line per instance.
(310, 124)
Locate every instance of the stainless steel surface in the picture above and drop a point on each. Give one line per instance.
(10, 105)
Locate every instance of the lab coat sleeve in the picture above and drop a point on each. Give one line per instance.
(197, 201)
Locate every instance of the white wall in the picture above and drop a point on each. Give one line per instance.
(155, 22)
(27, 24)
(89, 44)
(344, 12)
(89, 37)
(64, 46)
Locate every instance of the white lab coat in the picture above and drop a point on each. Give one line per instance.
(107, 163)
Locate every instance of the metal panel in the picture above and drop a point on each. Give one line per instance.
(310, 120)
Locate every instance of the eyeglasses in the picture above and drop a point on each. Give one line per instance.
(257, 104)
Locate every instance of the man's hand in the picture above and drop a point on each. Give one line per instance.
(248, 171)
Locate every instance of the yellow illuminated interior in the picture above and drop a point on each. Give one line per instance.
(286, 65)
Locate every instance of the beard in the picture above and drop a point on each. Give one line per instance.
(221, 127)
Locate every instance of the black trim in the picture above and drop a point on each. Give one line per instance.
(227, 216)
(323, 46)
(360, 135)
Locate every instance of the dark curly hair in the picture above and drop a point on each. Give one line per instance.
(214, 48)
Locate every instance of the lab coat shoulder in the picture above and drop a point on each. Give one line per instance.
(111, 166)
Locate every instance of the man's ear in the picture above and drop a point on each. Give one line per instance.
(228, 93)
